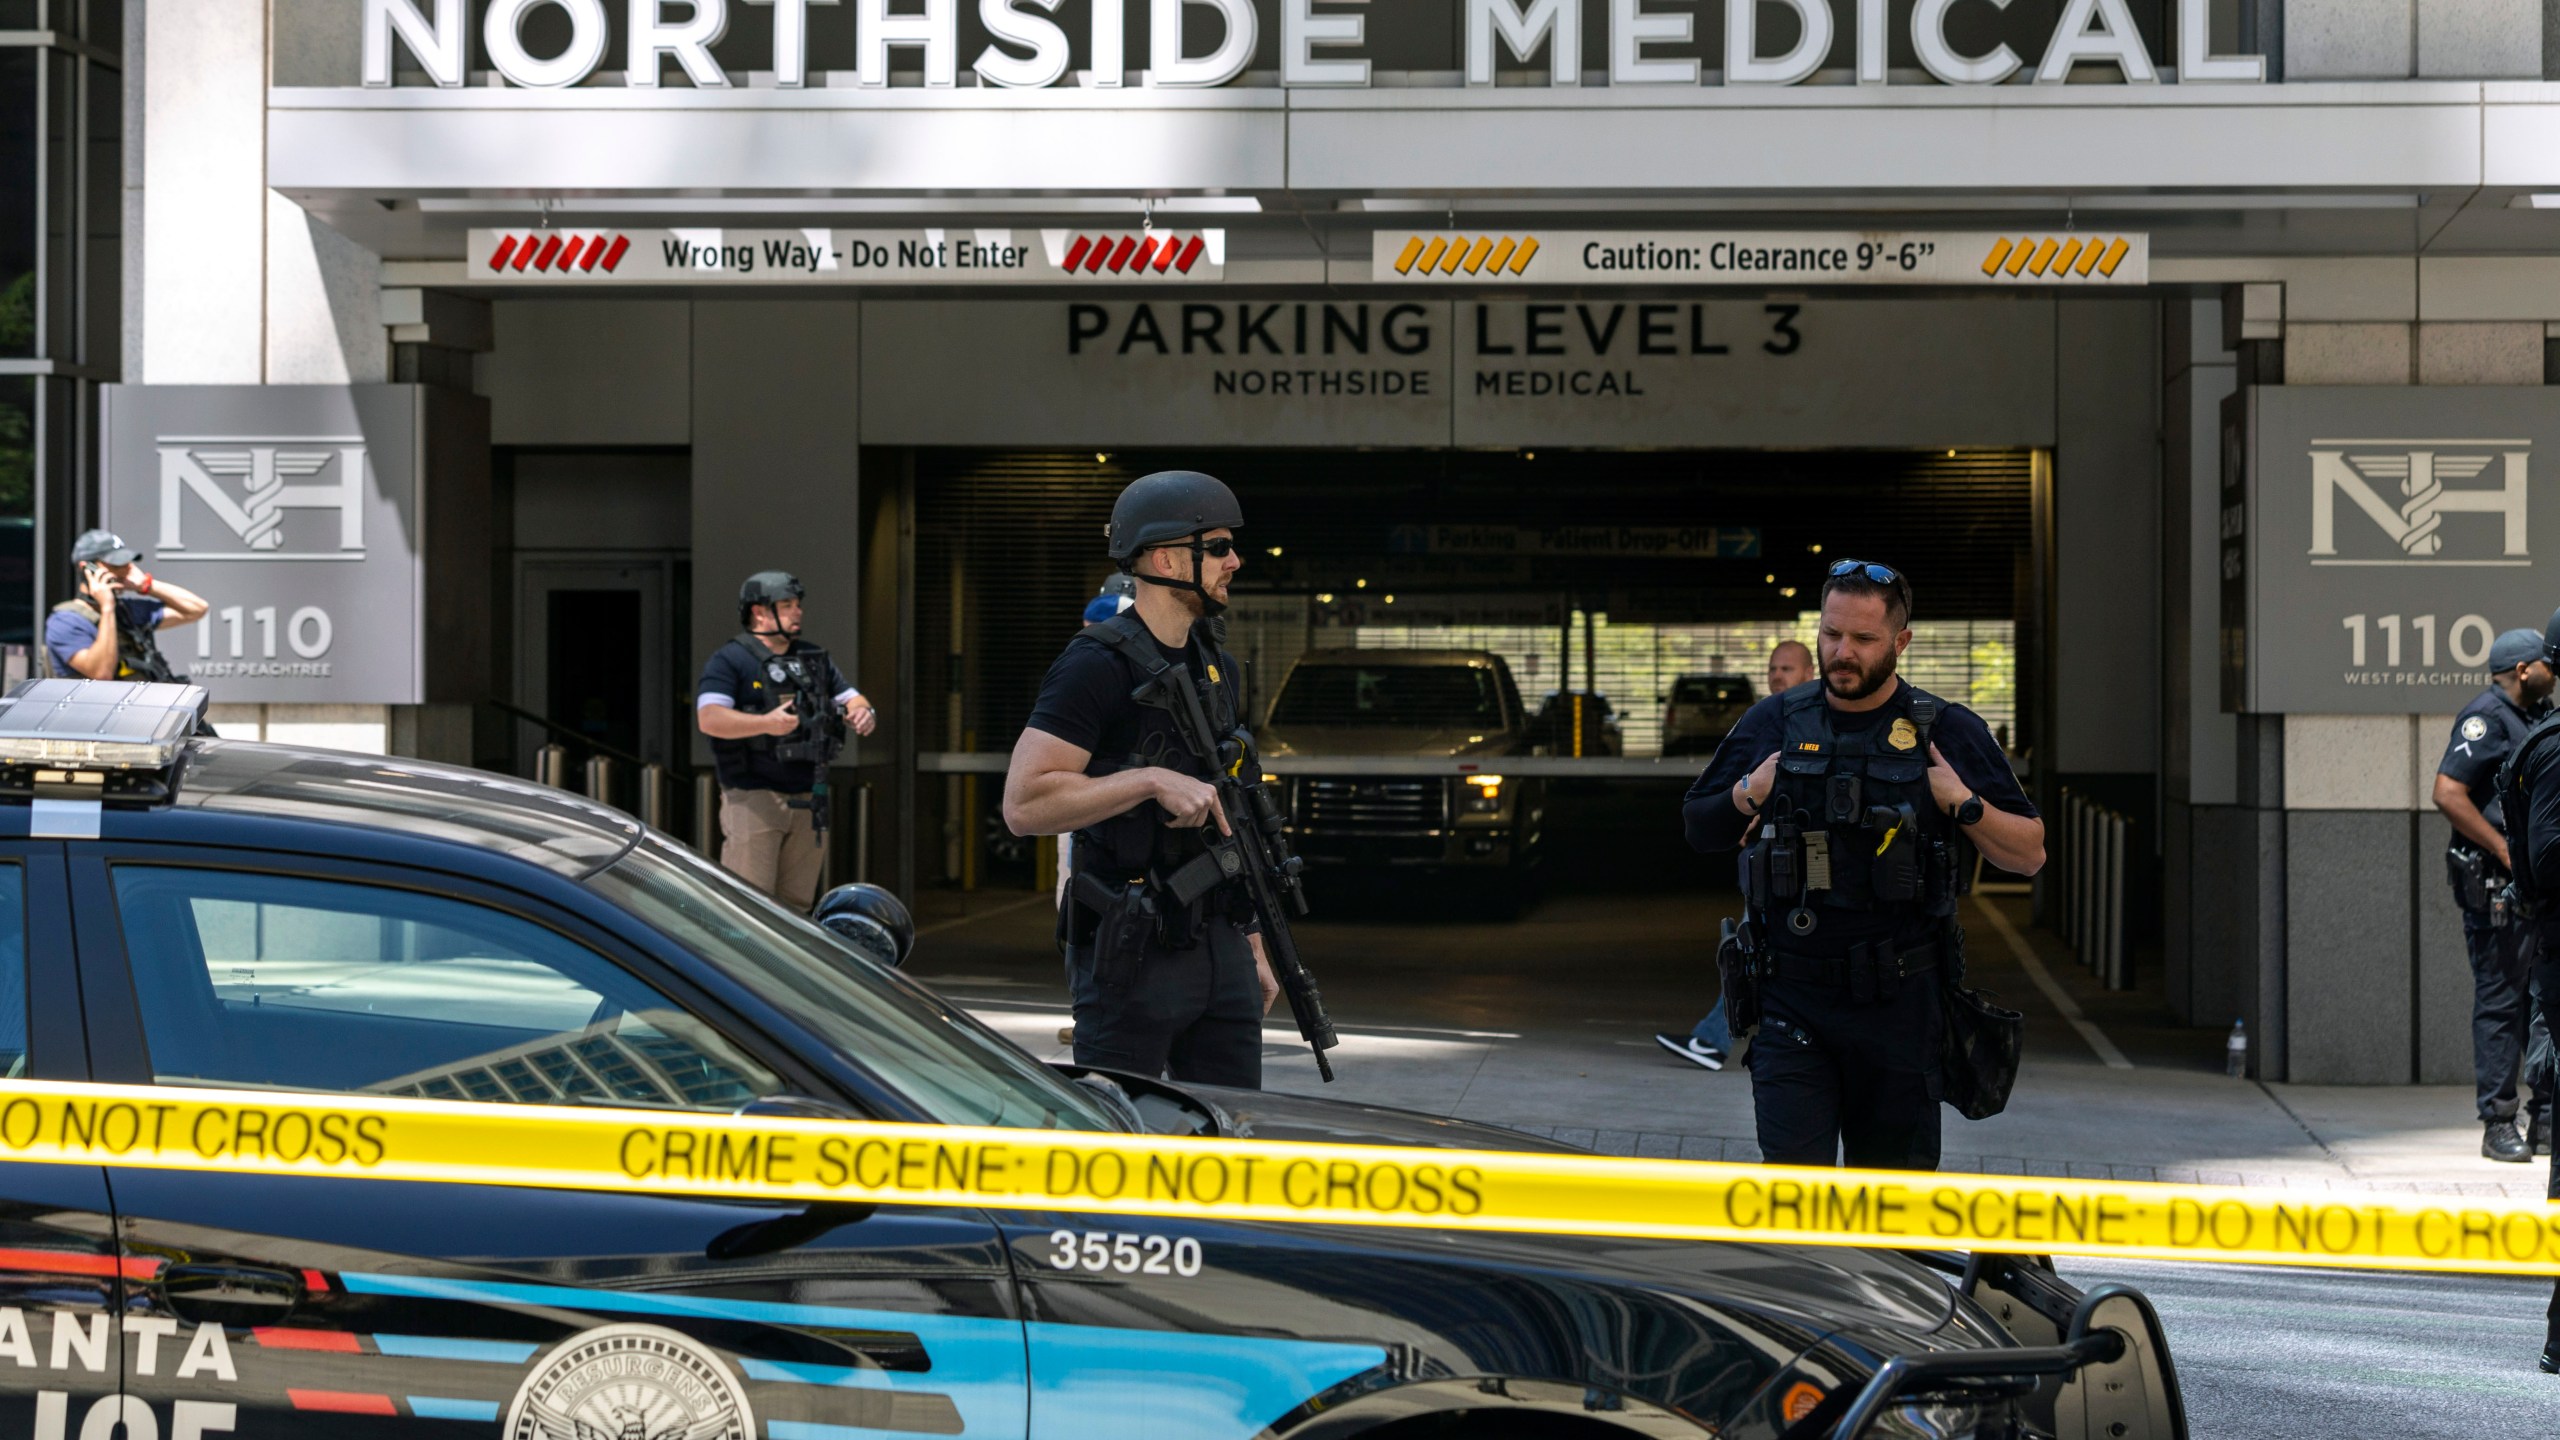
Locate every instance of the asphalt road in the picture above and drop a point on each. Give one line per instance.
(2281, 1354)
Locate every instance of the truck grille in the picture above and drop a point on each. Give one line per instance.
(1374, 805)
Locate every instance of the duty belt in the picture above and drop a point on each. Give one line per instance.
(1867, 972)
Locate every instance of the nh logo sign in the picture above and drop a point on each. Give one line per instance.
(262, 472)
(2407, 487)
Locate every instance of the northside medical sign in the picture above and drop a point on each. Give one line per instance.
(1031, 48)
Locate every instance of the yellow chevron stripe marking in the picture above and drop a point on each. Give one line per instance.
(1520, 262)
(2089, 258)
(2044, 254)
(1500, 253)
(2114, 257)
(1456, 257)
(2018, 258)
(1477, 252)
(2070, 251)
(1404, 261)
(1999, 252)
(1431, 257)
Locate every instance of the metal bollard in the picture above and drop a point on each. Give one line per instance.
(862, 832)
(600, 779)
(657, 796)
(706, 815)
(551, 766)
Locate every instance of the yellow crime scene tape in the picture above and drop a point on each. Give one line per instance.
(643, 1151)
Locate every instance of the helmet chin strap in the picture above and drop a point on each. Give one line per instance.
(1210, 605)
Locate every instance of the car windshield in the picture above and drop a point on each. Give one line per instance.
(950, 1066)
(1711, 690)
(1416, 696)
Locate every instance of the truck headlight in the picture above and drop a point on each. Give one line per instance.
(1483, 794)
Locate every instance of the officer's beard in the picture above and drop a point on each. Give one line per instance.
(1848, 680)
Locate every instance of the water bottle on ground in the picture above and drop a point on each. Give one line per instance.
(2235, 1055)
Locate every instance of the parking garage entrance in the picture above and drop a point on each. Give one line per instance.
(1613, 585)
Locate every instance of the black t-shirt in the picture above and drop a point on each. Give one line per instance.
(2486, 732)
(1713, 824)
(739, 678)
(1085, 698)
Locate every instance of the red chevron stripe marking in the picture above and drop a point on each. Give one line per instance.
(1190, 255)
(506, 248)
(1075, 254)
(613, 253)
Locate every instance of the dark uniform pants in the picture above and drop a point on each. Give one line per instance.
(1191, 1014)
(2502, 1022)
(2546, 999)
(1830, 1075)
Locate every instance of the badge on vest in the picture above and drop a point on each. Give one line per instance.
(2475, 727)
(1902, 736)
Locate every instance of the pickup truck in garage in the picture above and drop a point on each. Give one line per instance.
(1371, 708)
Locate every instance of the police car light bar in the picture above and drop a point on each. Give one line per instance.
(51, 729)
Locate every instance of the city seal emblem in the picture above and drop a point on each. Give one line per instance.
(1902, 736)
(2475, 728)
(630, 1382)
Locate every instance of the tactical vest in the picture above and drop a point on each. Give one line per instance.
(1137, 841)
(1850, 825)
(138, 654)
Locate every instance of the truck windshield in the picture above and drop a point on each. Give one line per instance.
(952, 1067)
(1414, 696)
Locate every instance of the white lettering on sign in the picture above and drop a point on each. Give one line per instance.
(2088, 32)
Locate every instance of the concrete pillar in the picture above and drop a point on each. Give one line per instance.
(2199, 743)
(776, 455)
(238, 285)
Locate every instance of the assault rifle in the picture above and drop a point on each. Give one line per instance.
(1257, 852)
(822, 733)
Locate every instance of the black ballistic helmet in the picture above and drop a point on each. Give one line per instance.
(1169, 505)
(766, 587)
(870, 921)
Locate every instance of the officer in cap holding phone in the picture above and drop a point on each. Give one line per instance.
(110, 630)
(2477, 861)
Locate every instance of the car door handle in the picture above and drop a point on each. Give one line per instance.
(230, 1294)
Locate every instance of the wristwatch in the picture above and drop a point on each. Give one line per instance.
(1970, 811)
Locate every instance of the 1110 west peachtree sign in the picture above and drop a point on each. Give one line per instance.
(1032, 44)
(2379, 539)
(292, 509)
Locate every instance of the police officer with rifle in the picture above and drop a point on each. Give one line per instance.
(1175, 923)
(776, 710)
(1855, 799)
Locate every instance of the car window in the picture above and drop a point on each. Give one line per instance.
(1401, 695)
(287, 982)
(13, 972)
(950, 1066)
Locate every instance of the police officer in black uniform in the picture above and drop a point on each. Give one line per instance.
(1160, 986)
(758, 692)
(2529, 807)
(2484, 735)
(1855, 798)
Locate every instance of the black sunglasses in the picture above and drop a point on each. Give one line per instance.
(1881, 574)
(1218, 549)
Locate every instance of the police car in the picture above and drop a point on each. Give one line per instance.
(198, 912)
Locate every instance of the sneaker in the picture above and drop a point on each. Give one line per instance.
(1692, 1049)
(2499, 1141)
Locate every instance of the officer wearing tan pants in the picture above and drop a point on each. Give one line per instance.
(744, 706)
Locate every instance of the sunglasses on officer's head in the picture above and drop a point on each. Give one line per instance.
(1881, 574)
(1219, 548)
